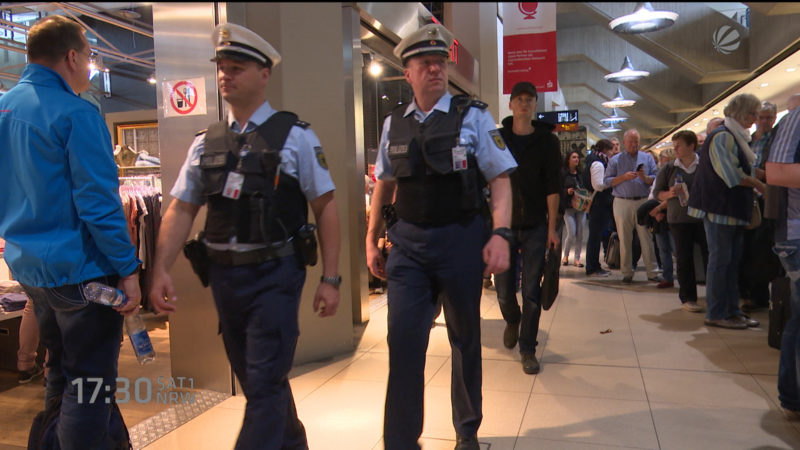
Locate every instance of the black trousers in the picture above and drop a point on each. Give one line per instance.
(685, 236)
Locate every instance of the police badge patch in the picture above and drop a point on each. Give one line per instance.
(321, 158)
(498, 140)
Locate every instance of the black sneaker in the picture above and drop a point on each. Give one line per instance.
(529, 363)
(750, 306)
(600, 273)
(511, 335)
(467, 442)
(26, 376)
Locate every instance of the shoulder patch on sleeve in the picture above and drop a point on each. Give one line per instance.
(302, 124)
(321, 157)
(201, 132)
(479, 104)
(497, 139)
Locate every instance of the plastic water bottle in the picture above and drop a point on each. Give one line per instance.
(681, 190)
(134, 325)
(104, 295)
(140, 340)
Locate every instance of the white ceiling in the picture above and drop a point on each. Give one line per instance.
(774, 85)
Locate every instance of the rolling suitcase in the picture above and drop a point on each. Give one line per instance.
(612, 251)
(780, 310)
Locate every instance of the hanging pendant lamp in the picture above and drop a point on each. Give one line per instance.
(610, 129)
(643, 20)
(626, 73)
(613, 119)
(619, 101)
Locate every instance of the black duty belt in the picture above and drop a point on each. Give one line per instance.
(256, 256)
(631, 198)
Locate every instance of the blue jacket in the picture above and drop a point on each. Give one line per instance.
(60, 214)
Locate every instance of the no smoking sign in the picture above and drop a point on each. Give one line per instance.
(184, 97)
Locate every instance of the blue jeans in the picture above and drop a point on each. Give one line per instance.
(532, 243)
(573, 219)
(82, 339)
(722, 275)
(788, 368)
(665, 250)
(258, 308)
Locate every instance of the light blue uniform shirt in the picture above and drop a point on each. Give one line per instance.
(61, 213)
(623, 162)
(298, 160)
(492, 160)
(784, 150)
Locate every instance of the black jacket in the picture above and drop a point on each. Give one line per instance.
(538, 173)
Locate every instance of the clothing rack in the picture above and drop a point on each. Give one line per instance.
(141, 204)
(153, 180)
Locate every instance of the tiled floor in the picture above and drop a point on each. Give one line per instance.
(622, 367)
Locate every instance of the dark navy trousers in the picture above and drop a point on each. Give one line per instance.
(425, 262)
(258, 308)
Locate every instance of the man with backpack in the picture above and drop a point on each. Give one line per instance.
(64, 227)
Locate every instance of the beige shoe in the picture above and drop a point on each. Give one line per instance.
(692, 307)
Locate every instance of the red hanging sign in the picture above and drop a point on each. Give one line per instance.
(529, 45)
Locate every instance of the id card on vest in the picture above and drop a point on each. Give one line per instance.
(233, 185)
(459, 158)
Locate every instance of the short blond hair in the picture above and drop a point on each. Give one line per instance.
(741, 106)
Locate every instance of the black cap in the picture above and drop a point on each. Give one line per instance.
(523, 87)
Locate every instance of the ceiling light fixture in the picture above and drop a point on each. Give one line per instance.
(643, 20)
(375, 68)
(626, 73)
(791, 69)
(611, 129)
(152, 79)
(613, 119)
(619, 101)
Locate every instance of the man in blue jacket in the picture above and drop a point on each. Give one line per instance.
(62, 220)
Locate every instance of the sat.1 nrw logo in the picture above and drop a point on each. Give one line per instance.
(528, 8)
(726, 39)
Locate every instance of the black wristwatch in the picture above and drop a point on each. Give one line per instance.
(334, 281)
(505, 233)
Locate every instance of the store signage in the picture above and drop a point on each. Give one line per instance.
(556, 117)
(184, 97)
(529, 45)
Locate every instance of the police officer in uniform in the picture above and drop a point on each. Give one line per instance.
(256, 171)
(435, 153)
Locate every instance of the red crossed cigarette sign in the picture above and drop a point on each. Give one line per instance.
(183, 97)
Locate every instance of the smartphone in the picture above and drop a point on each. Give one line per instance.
(639, 167)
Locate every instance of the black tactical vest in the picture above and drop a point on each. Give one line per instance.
(429, 190)
(261, 209)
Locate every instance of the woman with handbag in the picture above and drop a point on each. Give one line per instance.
(722, 195)
(574, 205)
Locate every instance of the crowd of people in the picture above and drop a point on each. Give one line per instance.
(439, 156)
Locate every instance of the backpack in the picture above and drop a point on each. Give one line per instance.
(43, 430)
(586, 175)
